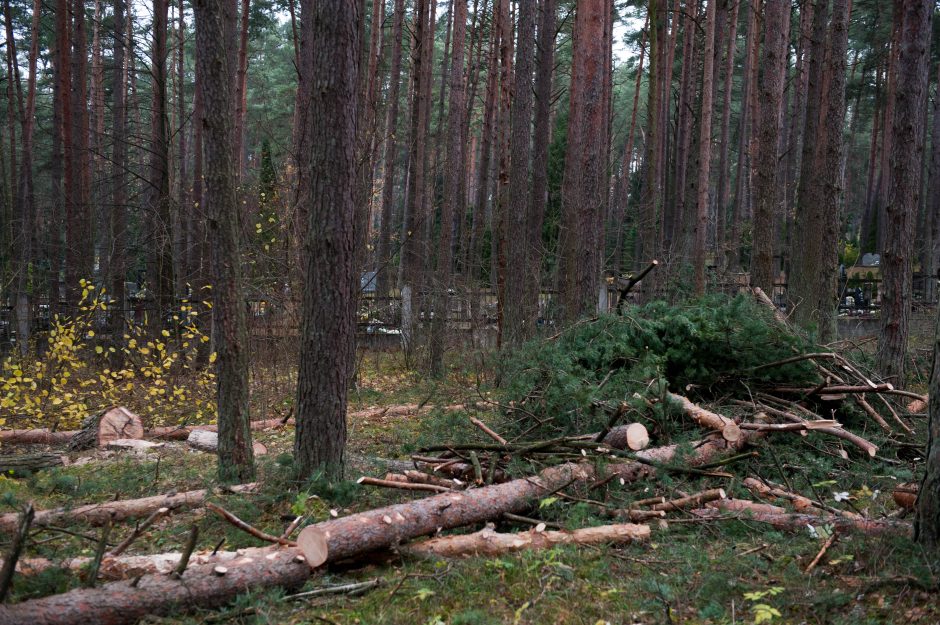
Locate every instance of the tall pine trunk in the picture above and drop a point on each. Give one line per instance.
(907, 149)
(384, 248)
(767, 192)
(584, 184)
(454, 201)
(520, 313)
(700, 228)
(328, 327)
(230, 329)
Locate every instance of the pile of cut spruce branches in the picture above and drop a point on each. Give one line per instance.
(465, 486)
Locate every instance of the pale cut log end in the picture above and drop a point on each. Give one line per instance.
(731, 432)
(637, 437)
(312, 543)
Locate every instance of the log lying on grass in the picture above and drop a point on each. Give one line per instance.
(729, 430)
(36, 437)
(18, 465)
(122, 602)
(489, 542)
(795, 521)
(633, 436)
(360, 533)
(201, 586)
(800, 503)
(208, 440)
(99, 513)
(127, 567)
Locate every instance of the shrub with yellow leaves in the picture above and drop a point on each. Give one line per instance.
(158, 375)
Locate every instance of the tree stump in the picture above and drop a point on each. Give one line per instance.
(106, 426)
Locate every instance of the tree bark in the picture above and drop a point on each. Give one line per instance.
(488, 542)
(328, 328)
(802, 290)
(723, 193)
(240, 91)
(742, 177)
(767, 196)
(519, 314)
(907, 149)
(700, 228)
(454, 199)
(541, 140)
(413, 219)
(118, 217)
(384, 248)
(230, 331)
(932, 245)
(157, 196)
(584, 184)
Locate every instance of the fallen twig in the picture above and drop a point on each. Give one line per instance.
(138, 531)
(374, 481)
(822, 551)
(343, 589)
(245, 527)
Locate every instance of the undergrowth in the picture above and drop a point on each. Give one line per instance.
(709, 348)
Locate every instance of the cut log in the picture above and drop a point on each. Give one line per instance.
(376, 529)
(636, 516)
(800, 522)
(114, 568)
(108, 425)
(707, 418)
(869, 448)
(404, 485)
(745, 505)
(488, 542)
(99, 513)
(905, 495)
(133, 444)
(690, 501)
(208, 440)
(917, 406)
(769, 304)
(20, 465)
(419, 477)
(633, 436)
(800, 503)
(35, 437)
(127, 602)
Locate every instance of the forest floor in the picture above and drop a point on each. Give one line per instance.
(714, 572)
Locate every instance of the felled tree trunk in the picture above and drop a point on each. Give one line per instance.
(106, 426)
(208, 440)
(346, 537)
(99, 513)
(127, 567)
(20, 465)
(206, 586)
(488, 542)
(35, 437)
(798, 522)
